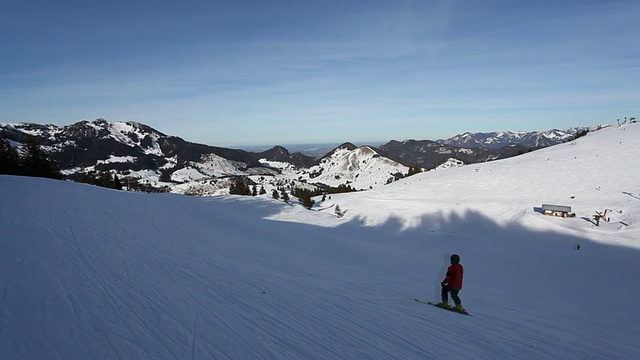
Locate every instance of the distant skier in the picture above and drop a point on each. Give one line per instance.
(577, 246)
(452, 283)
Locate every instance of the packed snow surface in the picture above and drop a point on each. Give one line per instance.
(93, 273)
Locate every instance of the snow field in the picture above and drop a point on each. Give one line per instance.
(92, 273)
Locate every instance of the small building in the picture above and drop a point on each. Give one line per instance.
(557, 210)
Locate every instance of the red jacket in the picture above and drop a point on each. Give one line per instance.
(454, 276)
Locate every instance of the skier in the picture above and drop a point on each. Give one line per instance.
(452, 283)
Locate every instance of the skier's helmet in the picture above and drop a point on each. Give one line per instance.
(455, 259)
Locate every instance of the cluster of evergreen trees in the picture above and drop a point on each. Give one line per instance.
(342, 188)
(103, 178)
(305, 196)
(280, 193)
(241, 186)
(416, 169)
(30, 161)
(580, 134)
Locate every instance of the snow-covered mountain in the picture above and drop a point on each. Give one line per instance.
(431, 154)
(139, 154)
(99, 144)
(471, 148)
(92, 273)
(500, 139)
(359, 167)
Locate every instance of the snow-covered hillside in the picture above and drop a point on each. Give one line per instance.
(361, 168)
(590, 175)
(92, 273)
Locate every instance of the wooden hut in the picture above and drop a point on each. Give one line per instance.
(557, 210)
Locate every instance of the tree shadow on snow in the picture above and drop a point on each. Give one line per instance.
(505, 257)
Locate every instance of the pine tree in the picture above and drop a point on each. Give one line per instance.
(239, 187)
(262, 190)
(104, 179)
(275, 194)
(9, 159)
(284, 195)
(416, 169)
(308, 202)
(116, 182)
(305, 196)
(35, 163)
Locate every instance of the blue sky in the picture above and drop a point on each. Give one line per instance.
(232, 73)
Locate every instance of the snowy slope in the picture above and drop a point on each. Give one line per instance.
(361, 168)
(125, 132)
(590, 175)
(92, 273)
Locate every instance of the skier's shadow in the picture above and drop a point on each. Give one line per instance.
(437, 289)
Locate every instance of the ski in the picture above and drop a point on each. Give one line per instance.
(452, 309)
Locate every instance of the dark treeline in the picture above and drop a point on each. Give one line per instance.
(28, 161)
(98, 178)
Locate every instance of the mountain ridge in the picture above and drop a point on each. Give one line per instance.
(137, 151)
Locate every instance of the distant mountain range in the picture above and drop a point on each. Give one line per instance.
(498, 140)
(139, 152)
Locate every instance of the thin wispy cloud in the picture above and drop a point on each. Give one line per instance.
(199, 69)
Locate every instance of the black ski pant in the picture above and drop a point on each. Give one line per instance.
(454, 294)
